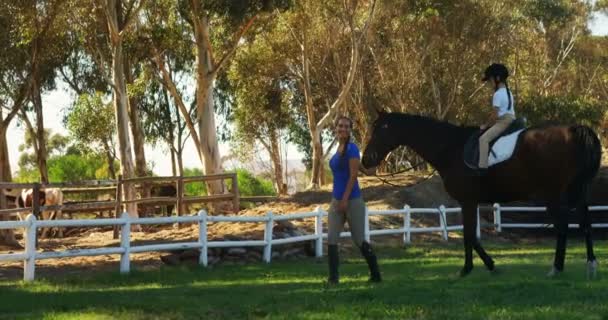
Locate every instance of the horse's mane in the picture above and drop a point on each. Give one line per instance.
(439, 126)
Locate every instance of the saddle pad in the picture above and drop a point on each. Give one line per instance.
(503, 148)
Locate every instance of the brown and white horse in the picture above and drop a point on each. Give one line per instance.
(47, 197)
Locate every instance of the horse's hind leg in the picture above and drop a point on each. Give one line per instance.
(470, 241)
(585, 224)
(559, 214)
(487, 260)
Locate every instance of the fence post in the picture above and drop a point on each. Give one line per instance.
(29, 265)
(478, 231)
(319, 232)
(268, 238)
(443, 222)
(118, 207)
(407, 233)
(3, 204)
(202, 237)
(36, 200)
(235, 192)
(36, 206)
(366, 225)
(125, 242)
(180, 196)
(497, 220)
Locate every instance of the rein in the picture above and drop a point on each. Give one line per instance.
(380, 177)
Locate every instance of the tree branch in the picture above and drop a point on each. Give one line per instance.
(72, 84)
(131, 17)
(170, 86)
(351, 72)
(233, 48)
(102, 61)
(24, 91)
(564, 54)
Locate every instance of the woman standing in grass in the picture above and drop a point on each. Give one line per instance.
(347, 204)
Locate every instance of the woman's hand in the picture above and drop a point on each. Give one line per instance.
(343, 206)
(368, 171)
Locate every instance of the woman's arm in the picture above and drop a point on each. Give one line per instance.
(353, 166)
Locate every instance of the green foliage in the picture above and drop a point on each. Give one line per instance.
(91, 121)
(55, 144)
(70, 167)
(250, 185)
(194, 188)
(562, 109)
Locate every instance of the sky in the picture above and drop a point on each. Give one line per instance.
(55, 103)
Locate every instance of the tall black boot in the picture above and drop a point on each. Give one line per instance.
(372, 262)
(333, 258)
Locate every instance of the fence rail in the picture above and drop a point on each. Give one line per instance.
(31, 225)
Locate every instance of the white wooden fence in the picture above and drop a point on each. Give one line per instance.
(31, 225)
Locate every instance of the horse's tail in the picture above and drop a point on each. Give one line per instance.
(588, 158)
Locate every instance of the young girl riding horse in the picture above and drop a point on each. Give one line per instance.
(496, 76)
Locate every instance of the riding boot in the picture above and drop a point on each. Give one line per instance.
(372, 262)
(333, 258)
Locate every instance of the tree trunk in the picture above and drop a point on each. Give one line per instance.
(136, 128)
(275, 155)
(7, 236)
(315, 135)
(5, 165)
(110, 159)
(180, 163)
(204, 105)
(317, 156)
(41, 153)
(122, 119)
(173, 164)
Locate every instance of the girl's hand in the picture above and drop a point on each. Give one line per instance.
(483, 126)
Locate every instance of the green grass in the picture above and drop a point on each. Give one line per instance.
(420, 283)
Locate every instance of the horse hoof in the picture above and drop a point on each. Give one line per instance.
(494, 271)
(592, 269)
(465, 271)
(491, 266)
(553, 273)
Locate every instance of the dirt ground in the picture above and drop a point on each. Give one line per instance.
(377, 195)
(418, 189)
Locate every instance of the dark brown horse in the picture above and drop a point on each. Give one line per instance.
(553, 164)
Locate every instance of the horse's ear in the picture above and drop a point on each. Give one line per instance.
(382, 112)
(379, 110)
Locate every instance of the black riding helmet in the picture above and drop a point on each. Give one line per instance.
(496, 70)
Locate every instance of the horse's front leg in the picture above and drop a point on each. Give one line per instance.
(468, 223)
(46, 215)
(59, 216)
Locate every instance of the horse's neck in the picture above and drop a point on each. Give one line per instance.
(432, 140)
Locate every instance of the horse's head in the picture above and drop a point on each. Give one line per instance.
(382, 142)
